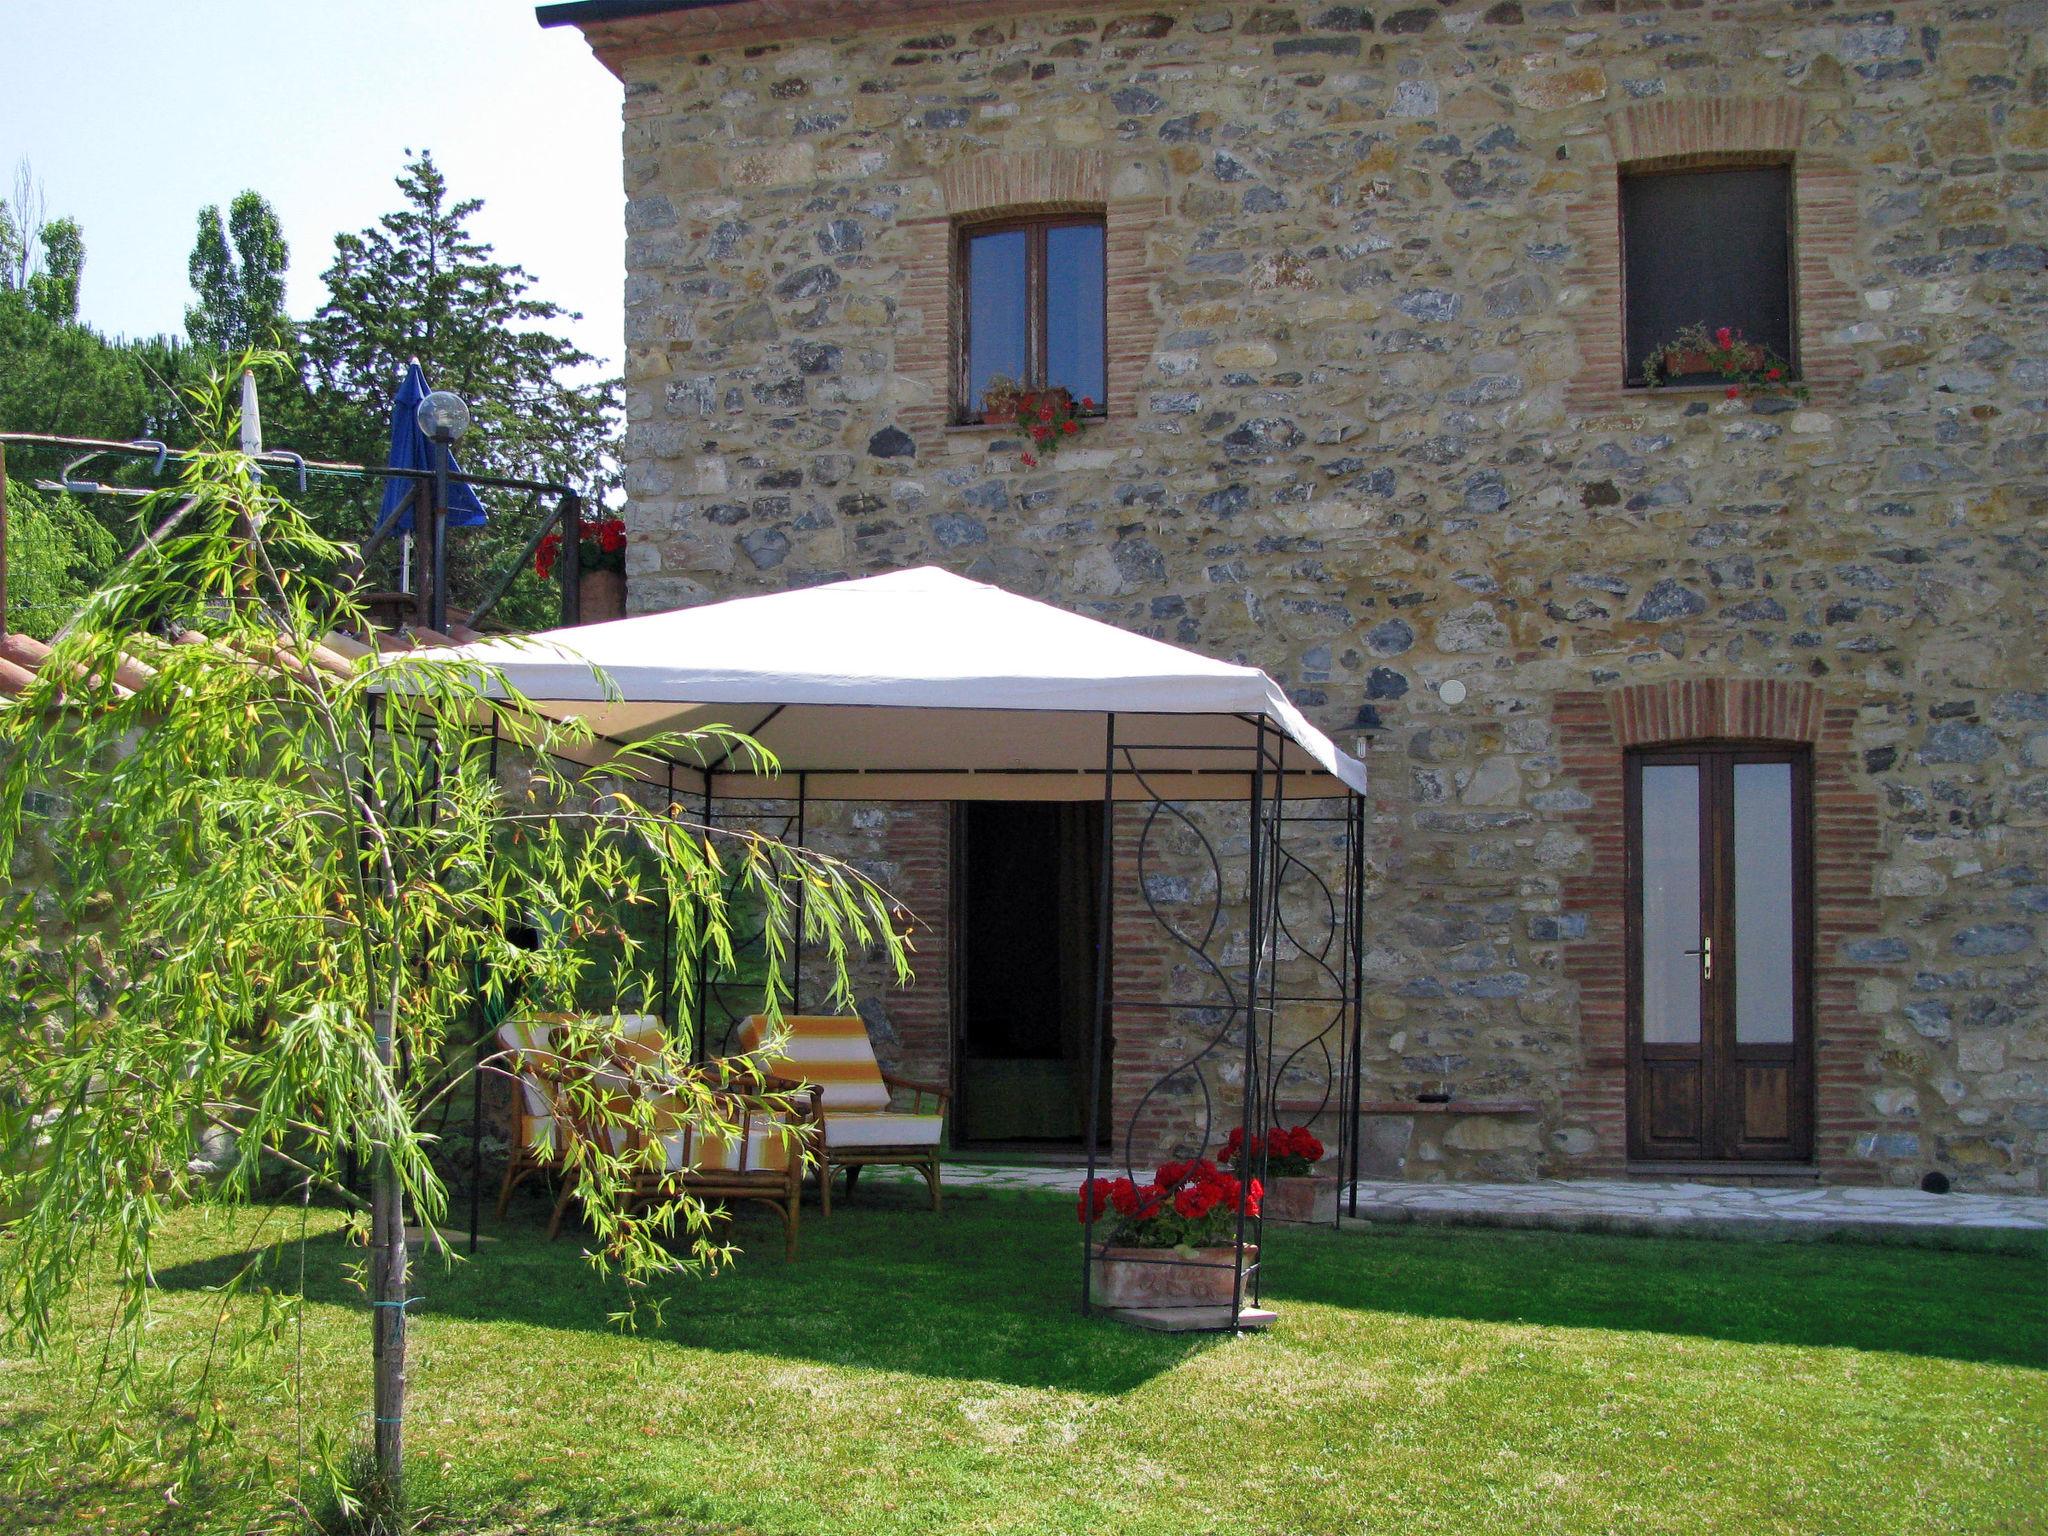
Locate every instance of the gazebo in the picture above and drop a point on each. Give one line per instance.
(925, 686)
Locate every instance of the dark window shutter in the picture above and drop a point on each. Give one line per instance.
(1711, 248)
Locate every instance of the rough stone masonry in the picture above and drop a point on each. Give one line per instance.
(1367, 431)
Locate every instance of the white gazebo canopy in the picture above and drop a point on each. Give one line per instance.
(923, 685)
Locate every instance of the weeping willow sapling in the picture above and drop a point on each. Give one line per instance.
(260, 897)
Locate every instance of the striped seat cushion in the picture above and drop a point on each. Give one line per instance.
(882, 1129)
(834, 1053)
(762, 1145)
(526, 1043)
(531, 1042)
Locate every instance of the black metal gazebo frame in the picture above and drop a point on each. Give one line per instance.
(1232, 1009)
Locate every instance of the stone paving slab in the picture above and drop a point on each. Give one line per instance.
(1676, 1208)
(1715, 1210)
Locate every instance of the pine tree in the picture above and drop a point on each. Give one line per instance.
(420, 284)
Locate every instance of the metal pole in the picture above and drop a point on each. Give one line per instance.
(796, 946)
(476, 1073)
(1255, 888)
(437, 571)
(1276, 866)
(701, 1047)
(389, 1265)
(1357, 993)
(668, 969)
(1105, 893)
(570, 562)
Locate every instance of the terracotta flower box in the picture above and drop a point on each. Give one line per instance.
(1164, 1277)
(1309, 1199)
(601, 596)
(1743, 357)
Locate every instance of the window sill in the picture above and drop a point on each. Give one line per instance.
(1651, 391)
(993, 428)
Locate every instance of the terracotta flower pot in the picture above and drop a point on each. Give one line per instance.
(1745, 357)
(1164, 1277)
(1309, 1198)
(602, 596)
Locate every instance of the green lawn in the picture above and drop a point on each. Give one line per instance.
(920, 1373)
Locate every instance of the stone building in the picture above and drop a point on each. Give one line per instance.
(1728, 848)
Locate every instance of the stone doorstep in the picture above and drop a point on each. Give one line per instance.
(1192, 1319)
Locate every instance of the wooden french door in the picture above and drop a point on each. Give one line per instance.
(1720, 983)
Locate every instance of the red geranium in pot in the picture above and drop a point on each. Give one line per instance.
(601, 565)
(1169, 1242)
(1295, 1192)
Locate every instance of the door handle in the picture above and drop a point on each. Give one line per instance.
(1706, 954)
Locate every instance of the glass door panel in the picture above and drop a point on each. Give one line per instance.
(1671, 903)
(1766, 927)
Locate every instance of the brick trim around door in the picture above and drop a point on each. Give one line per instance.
(1595, 729)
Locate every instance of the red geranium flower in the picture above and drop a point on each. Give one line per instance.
(1030, 461)
(1724, 337)
(1094, 1197)
(1774, 373)
(1734, 390)
(1070, 426)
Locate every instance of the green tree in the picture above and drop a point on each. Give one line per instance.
(10, 245)
(420, 284)
(57, 552)
(43, 258)
(21, 221)
(237, 269)
(56, 374)
(258, 938)
(64, 377)
(54, 290)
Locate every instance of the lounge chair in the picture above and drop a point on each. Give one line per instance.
(859, 1125)
(536, 1071)
(764, 1163)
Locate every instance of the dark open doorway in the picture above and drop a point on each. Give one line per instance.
(1027, 876)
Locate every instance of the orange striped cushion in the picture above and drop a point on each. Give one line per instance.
(761, 1145)
(832, 1052)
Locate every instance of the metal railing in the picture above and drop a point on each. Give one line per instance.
(558, 508)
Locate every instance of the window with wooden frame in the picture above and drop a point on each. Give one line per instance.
(1707, 247)
(1032, 307)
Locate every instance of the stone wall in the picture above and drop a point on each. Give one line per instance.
(1366, 433)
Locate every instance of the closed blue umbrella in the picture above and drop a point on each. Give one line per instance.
(411, 450)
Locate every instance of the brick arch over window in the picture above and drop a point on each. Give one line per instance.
(1595, 728)
(1029, 181)
(1672, 134)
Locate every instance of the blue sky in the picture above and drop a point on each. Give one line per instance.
(134, 113)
